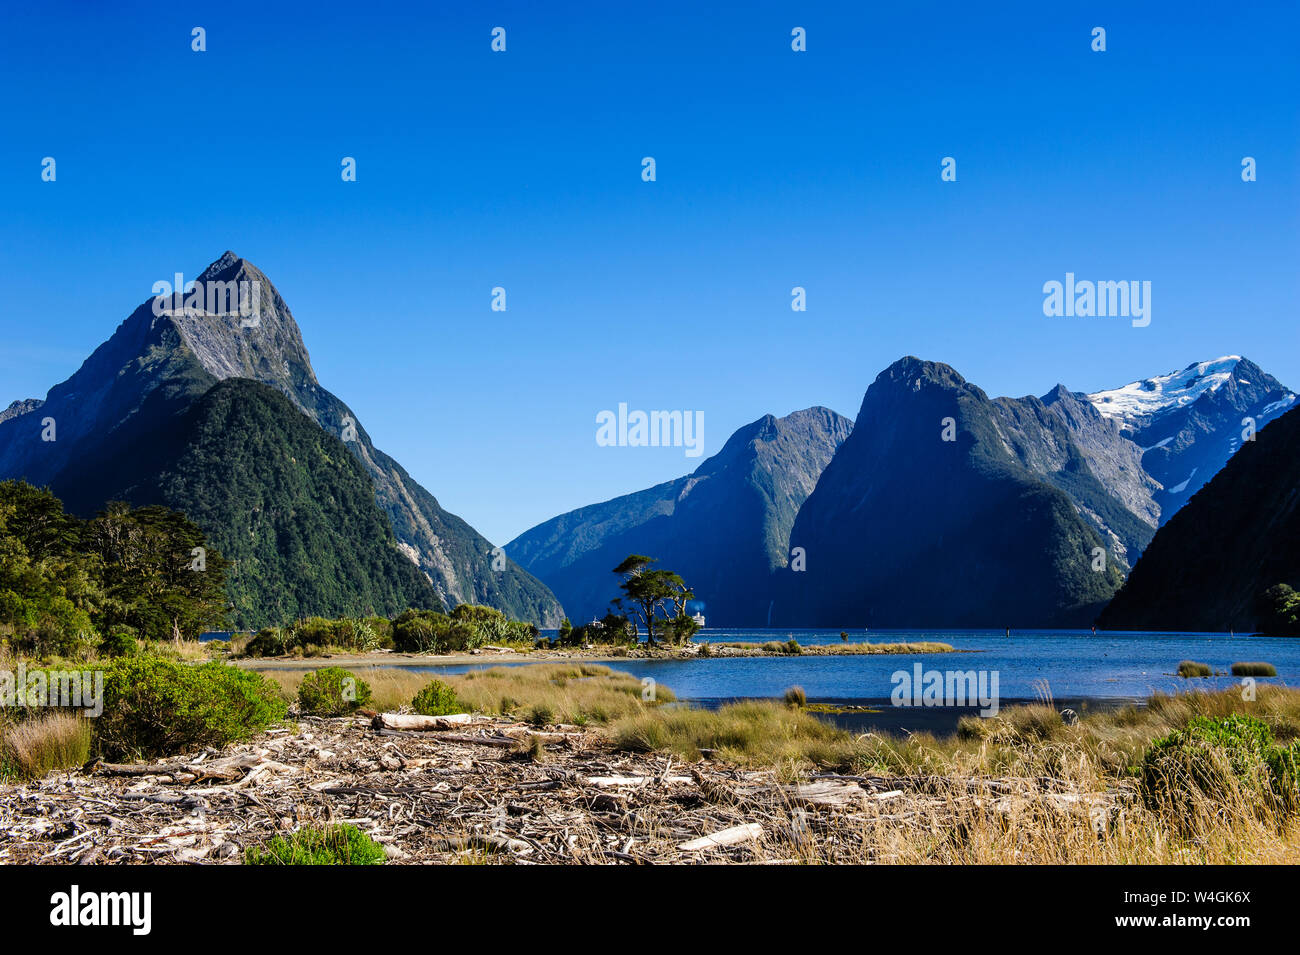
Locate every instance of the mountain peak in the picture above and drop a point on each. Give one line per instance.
(222, 264)
(1140, 401)
(252, 335)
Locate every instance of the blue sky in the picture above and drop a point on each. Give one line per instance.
(775, 169)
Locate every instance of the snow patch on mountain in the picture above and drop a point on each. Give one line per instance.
(1277, 406)
(1144, 399)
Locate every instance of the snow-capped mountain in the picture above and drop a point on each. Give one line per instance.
(1188, 423)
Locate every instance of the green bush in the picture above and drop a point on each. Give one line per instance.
(420, 631)
(120, 642)
(1279, 611)
(541, 714)
(316, 635)
(436, 699)
(467, 627)
(1217, 758)
(155, 707)
(335, 845)
(332, 691)
(1190, 668)
(270, 642)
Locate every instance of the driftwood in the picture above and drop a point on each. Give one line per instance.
(415, 722)
(727, 837)
(429, 797)
(223, 769)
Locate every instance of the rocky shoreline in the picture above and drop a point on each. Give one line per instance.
(495, 655)
(490, 790)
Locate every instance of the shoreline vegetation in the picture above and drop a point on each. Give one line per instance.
(590, 654)
(254, 749)
(574, 763)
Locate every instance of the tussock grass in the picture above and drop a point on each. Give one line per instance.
(42, 744)
(1189, 669)
(1254, 669)
(751, 733)
(578, 693)
(541, 693)
(1022, 746)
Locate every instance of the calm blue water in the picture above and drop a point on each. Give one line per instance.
(1072, 664)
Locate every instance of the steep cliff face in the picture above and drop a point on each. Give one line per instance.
(1239, 535)
(907, 529)
(724, 528)
(1065, 441)
(179, 347)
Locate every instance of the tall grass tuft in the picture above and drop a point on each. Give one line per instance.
(40, 745)
(1254, 669)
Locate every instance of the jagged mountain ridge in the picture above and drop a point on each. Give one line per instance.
(1188, 423)
(724, 527)
(1069, 441)
(183, 356)
(951, 533)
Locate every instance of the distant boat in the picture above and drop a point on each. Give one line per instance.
(698, 618)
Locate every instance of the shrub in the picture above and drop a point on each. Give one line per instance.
(418, 631)
(1279, 611)
(1190, 668)
(332, 691)
(1217, 759)
(335, 845)
(795, 696)
(155, 707)
(541, 714)
(436, 699)
(792, 647)
(269, 642)
(1254, 669)
(120, 642)
(36, 747)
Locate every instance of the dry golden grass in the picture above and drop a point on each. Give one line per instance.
(579, 693)
(1091, 812)
(751, 733)
(39, 745)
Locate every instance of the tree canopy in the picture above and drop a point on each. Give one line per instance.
(656, 596)
(65, 583)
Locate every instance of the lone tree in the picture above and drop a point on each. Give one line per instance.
(651, 594)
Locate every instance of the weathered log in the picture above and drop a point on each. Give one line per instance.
(830, 793)
(413, 721)
(224, 769)
(504, 742)
(748, 832)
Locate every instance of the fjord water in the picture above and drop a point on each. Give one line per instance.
(1073, 665)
